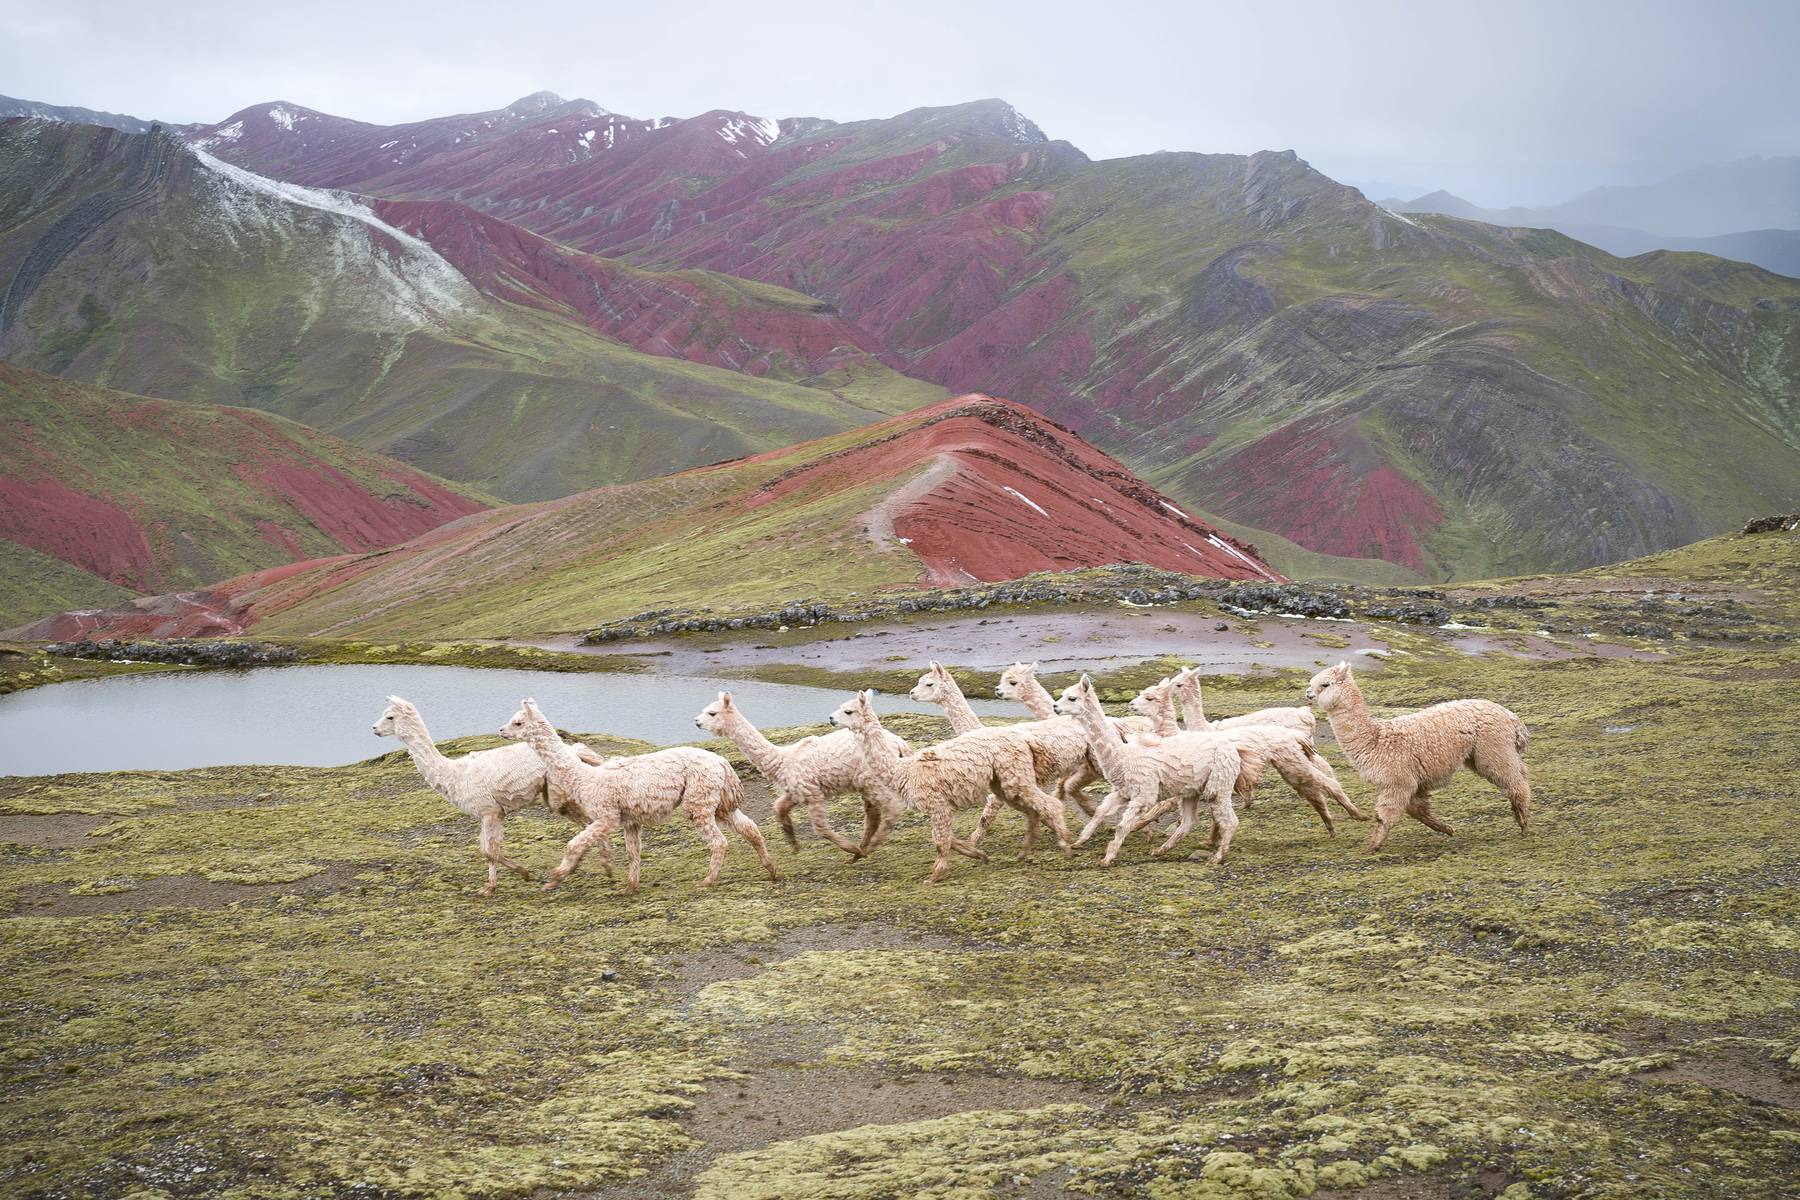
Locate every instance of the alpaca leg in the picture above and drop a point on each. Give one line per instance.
(885, 817)
(490, 850)
(1419, 808)
(490, 846)
(943, 833)
(747, 830)
(784, 817)
(1300, 777)
(1506, 771)
(1034, 801)
(1390, 806)
(1328, 783)
(1190, 811)
(1109, 804)
(596, 834)
(1518, 794)
(871, 822)
(706, 824)
(634, 856)
(1134, 812)
(1031, 828)
(1073, 788)
(815, 807)
(1226, 820)
(990, 809)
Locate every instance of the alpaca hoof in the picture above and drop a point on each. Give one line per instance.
(551, 885)
(486, 891)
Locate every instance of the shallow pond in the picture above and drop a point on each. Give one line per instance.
(320, 716)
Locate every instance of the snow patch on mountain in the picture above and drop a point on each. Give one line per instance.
(398, 278)
(760, 130)
(284, 118)
(225, 133)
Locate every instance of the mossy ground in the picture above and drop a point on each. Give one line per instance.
(279, 982)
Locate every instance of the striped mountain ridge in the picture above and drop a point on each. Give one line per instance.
(971, 489)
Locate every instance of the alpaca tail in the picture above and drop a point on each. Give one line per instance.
(731, 796)
(1520, 734)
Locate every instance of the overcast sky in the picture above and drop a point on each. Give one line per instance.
(1503, 103)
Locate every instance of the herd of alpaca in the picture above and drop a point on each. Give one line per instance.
(1165, 757)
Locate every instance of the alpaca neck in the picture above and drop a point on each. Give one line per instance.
(1164, 716)
(878, 751)
(1038, 699)
(541, 736)
(431, 762)
(763, 754)
(956, 707)
(1103, 739)
(1356, 731)
(1193, 713)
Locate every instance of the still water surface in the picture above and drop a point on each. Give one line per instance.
(320, 716)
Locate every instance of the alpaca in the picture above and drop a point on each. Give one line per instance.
(809, 772)
(1068, 760)
(1406, 758)
(1193, 713)
(1019, 683)
(1185, 766)
(489, 785)
(957, 774)
(636, 791)
(1260, 747)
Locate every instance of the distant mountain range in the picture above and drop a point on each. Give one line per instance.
(12, 107)
(552, 296)
(971, 489)
(1747, 210)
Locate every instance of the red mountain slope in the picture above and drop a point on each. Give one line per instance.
(969, 489)
(702, 317)
(150, 494)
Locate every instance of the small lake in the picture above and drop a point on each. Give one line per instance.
(320, 716)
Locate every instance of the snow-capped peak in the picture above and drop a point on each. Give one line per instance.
(535, 103)
(760, 130)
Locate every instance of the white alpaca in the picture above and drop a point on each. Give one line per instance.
(489, 785)
(957, 774)
(1066, 756)
(1019, 683)
(1260, 747)
(809, 772)
(1407, 758)
(1186, 767)
(1193, 712)
(636, 791)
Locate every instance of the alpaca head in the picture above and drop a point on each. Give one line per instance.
(1328, 686)
(934, 687)
(519, 728)
(1074, 696)
(1014, 681)
(712, 718)
(395, 717)
(1150, 701)
(856, 713)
